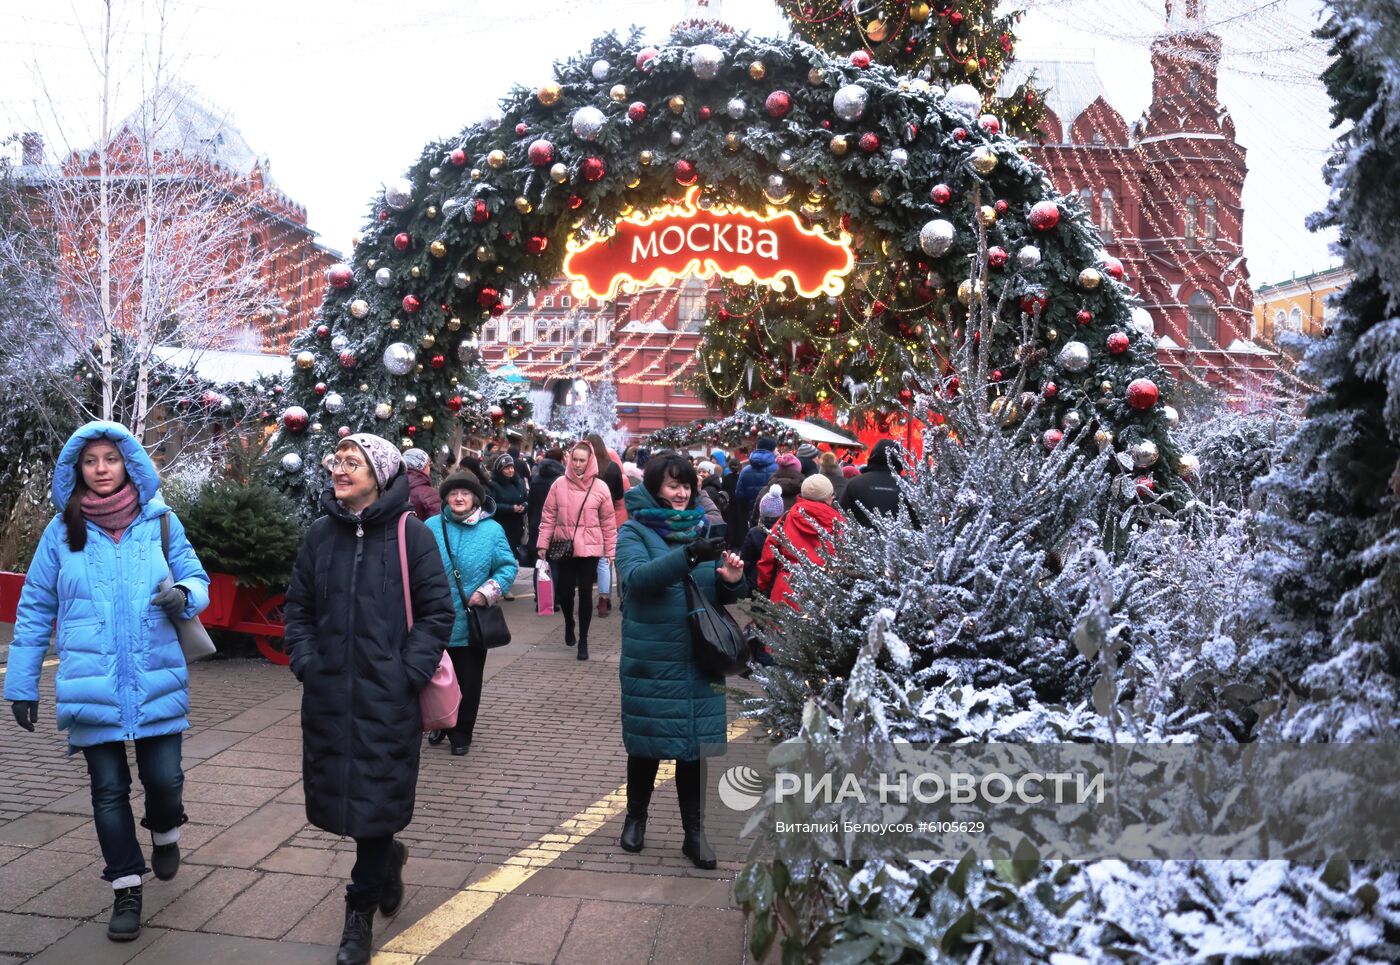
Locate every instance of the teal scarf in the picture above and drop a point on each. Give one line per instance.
(672, 525)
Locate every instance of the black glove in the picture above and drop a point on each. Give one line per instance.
(26, 713)
(704, 550)
(172, 600)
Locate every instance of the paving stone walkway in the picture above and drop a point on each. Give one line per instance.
(513, 848)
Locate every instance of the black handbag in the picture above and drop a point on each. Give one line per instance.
(486, 626)
(560, 547)
(718, 643)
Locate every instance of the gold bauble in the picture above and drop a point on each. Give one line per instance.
(632, 182)
(431, 211)
(918, 11)
(559, 172)
(1103, 439)
(852, 342)
(676, 103)
(523, 205)
(359, 308)
(405, 443)
(364, 386)
(816, 76)
(1106, 385)
(372, 264)
(983, 160)
(965, 290)
(428, 340)
(426, 422)
(971, 65)
(732, 142)
(987, 214)
(415, 271)
(877, 31)
(618, 94)
(355, 239)
(483, 253)
(757, 71)
(839, 145)
(646, 158)
(549, 93)
(475, 174)
(877, 196)
(437, 249)
(1051, 334)
(305, 360)
(395, 324)
(454, 323)
(1090, 278)
(496, 158)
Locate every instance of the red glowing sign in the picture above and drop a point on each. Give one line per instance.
(658, 246)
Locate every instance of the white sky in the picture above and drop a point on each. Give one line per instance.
(342, 94)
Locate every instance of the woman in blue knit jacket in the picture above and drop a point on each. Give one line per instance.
(481, 568)
(121, 674)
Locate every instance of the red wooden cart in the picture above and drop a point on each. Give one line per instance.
(240, 609)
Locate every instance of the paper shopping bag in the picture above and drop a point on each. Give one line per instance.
(544, 590)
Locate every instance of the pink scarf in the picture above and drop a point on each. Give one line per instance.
(113, 513)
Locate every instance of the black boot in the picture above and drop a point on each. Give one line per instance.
(126, 915)
(165, 860)
(358, 934)
(585, 616)
(583, 648)
(392, 896)
(569, 638)
(641, 779)
(690, 788)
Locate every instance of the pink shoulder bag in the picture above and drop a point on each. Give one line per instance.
(441, 697)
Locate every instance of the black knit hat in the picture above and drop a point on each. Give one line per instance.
(463, 480)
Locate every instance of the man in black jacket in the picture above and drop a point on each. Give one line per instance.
(876, 489)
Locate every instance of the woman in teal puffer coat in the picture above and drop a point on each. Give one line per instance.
(121, 674)
(671, 709)
(481, 566)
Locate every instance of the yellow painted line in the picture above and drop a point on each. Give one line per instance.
(51, 662)
(434, 929)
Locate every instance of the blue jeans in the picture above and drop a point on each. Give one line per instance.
(158, 764)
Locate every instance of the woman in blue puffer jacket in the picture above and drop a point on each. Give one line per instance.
(121, 673)
(481, 567)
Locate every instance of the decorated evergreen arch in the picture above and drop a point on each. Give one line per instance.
(939, 210)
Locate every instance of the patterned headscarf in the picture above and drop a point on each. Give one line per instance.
(382, 455)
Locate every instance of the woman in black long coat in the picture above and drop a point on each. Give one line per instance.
(508, 489)
(361, 669)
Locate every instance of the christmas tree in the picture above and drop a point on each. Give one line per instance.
(595, 412)
(912, 179)
(1334, 520)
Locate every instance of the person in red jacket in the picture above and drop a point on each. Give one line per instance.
(810, 528)
(422, 494)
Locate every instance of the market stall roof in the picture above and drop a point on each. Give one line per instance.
(224, 366)
(811, 432)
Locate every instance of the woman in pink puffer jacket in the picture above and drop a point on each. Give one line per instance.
(579, 507)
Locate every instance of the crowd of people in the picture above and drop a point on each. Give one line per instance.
(391, 583)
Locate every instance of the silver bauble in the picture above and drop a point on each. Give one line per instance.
(1074, 357)
(399, 358)
(382, 411)
(777, 189)
(736, 107)
(398, 193)
(410, 401)
(899, 157)
(706, 60)
(963, 99)
(786, 161)
(339, 343)
(1144, 453)
(1172, 416)
(334, 402)
(434, 173)
(936, 237)
(1188, 466)
(384, 277)
(600, 70)
(588, 122)
(291, 462)
(1142, 321)
(677, 138)
(461, 280)
(1028, 257)
(1072, 420)
(359, 308)
(849, 102)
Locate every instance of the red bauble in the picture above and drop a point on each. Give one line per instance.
(1117, 343)
(723, 315)
(340, 276)
(996, 256)
(941, 194)
(989, 123)
(480, 212)
(877, 307)
(320, 388)
(540, 152)
(278, 390)
(412, 430)
(1050, 391)
(1002, 207)
(1044, 215)
(955, 18)
(685, 172)
(487, 297)
(960, 134)
(323, 331)
(402, 240)
(706, 113)
(637, 111)
(496, 413)
(646, 59)
(499, 309)
(575, 202)
(383, 215)
(996, 375)
(343, 431)
(1052, 438)
(593, 168)
(295, 419)
(1142, 394)
(455, 403)
(411, 304)
(952, 385)
(458, 157)
(906, 396)
(522, 129)
(870, 142)
(1033, 302)
(347, 360)
(778, 104)
(1083, 316)
(861, 59)
(536, 244)
(1146, 486)
(1113, 268)
(438, 361)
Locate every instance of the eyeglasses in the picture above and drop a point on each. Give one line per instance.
(351, 466)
